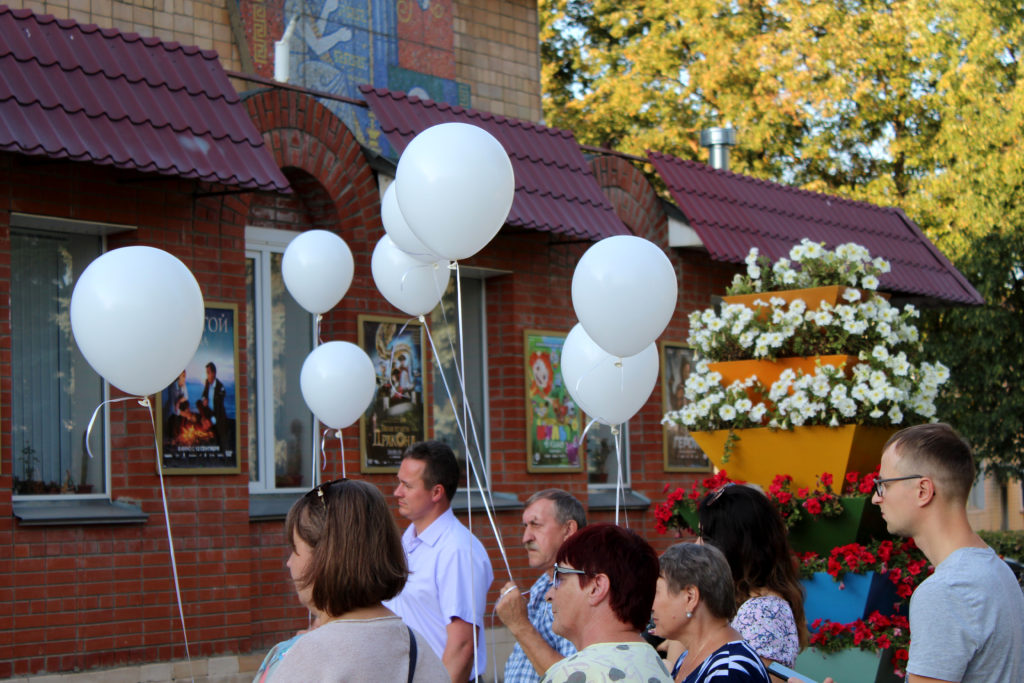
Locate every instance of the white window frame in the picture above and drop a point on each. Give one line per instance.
(51, 224)
(260, 243)
(483, 414)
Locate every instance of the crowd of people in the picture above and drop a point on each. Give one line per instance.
(727, 607)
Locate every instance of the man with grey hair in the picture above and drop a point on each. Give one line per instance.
(550, 517)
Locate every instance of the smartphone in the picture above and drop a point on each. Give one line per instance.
(785, 673)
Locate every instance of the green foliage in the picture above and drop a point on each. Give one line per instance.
(1005, 543)
(895, 102)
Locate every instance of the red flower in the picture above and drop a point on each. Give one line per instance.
(826, 479)
(813, 506)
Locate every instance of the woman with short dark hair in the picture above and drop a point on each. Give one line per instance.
(347, 558)
(693, 604)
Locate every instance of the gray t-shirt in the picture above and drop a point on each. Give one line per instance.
(358, 650)
(967, 621)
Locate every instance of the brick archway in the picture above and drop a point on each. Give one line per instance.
(304, 135)
(635, 201)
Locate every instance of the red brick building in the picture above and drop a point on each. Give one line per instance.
(97, 152)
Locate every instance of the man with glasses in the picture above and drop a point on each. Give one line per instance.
(550, 517)
(966, 619)
(601, 595)
(449, 570)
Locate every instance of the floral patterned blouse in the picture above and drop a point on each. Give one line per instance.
(767, 623)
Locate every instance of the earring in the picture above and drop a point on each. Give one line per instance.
(689, 615)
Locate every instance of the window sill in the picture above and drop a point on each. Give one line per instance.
(501, 501)
(77, 512)
(270, 507)
(604, 499)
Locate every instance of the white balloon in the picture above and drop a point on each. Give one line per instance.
(137, 315)
(337, 383)
(455, 187)
(624, 293)
(399, 231)
(317, 268)
(409, 285)
(607, 388)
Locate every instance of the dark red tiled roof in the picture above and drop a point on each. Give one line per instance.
(555, 188)
(732, 213)
(71, 91)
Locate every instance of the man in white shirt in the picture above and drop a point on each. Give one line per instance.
(449, 570)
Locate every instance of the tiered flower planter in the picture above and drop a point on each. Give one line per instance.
(803, 453)
(769, 371)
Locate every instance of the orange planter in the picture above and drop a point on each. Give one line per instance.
(812, 297)
(803, 453)
(768, 371)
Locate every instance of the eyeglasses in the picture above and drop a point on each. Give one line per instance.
(319, 490)
(556, 579)
(880, 483)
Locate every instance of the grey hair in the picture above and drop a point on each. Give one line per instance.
(566, 506)
(705, 568)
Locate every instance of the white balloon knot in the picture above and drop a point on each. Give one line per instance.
(615, 430)
(453, 265)
(618, 363)
(338, 434)
(144, 402)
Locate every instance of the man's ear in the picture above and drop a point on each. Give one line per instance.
(437, 493)
(571, 527)
(925, 491)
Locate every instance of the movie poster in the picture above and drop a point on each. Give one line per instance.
(397, 416)
(197, 417)
(553, 420)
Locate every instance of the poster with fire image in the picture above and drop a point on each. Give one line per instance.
(197, 427)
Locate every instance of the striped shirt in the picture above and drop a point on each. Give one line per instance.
(734, 662)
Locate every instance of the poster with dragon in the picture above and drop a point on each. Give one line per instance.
(553, 420)
(397, 415)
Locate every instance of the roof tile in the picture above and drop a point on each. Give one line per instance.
(732, 213)
(555, 188)
(73, 91)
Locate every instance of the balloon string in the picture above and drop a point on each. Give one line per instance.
(95, 413)
(318, 329)
(462, 432)
(465, 441)
(170, 541)
(323, 450)
(619, 488)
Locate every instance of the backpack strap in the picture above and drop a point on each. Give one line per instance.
(412, 654)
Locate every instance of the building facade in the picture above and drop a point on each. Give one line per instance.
(89, 581)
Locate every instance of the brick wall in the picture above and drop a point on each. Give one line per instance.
(95, 596)
(495, 41)
(497, 54)
(90, 597)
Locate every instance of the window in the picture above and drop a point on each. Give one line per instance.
(54, 391)
(602, 464)
(444, 328)
(976, 497)
(279, 336)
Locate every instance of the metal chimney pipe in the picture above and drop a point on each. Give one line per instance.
(718, 141)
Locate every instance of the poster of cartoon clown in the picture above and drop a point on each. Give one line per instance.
(553, 420)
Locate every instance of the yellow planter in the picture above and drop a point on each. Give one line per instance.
(802, 453)
(768, 371)
(813, 296)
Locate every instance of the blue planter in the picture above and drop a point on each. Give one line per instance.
(860, 595)
(847, 666)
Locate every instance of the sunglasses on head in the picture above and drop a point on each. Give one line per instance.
(318, 491)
